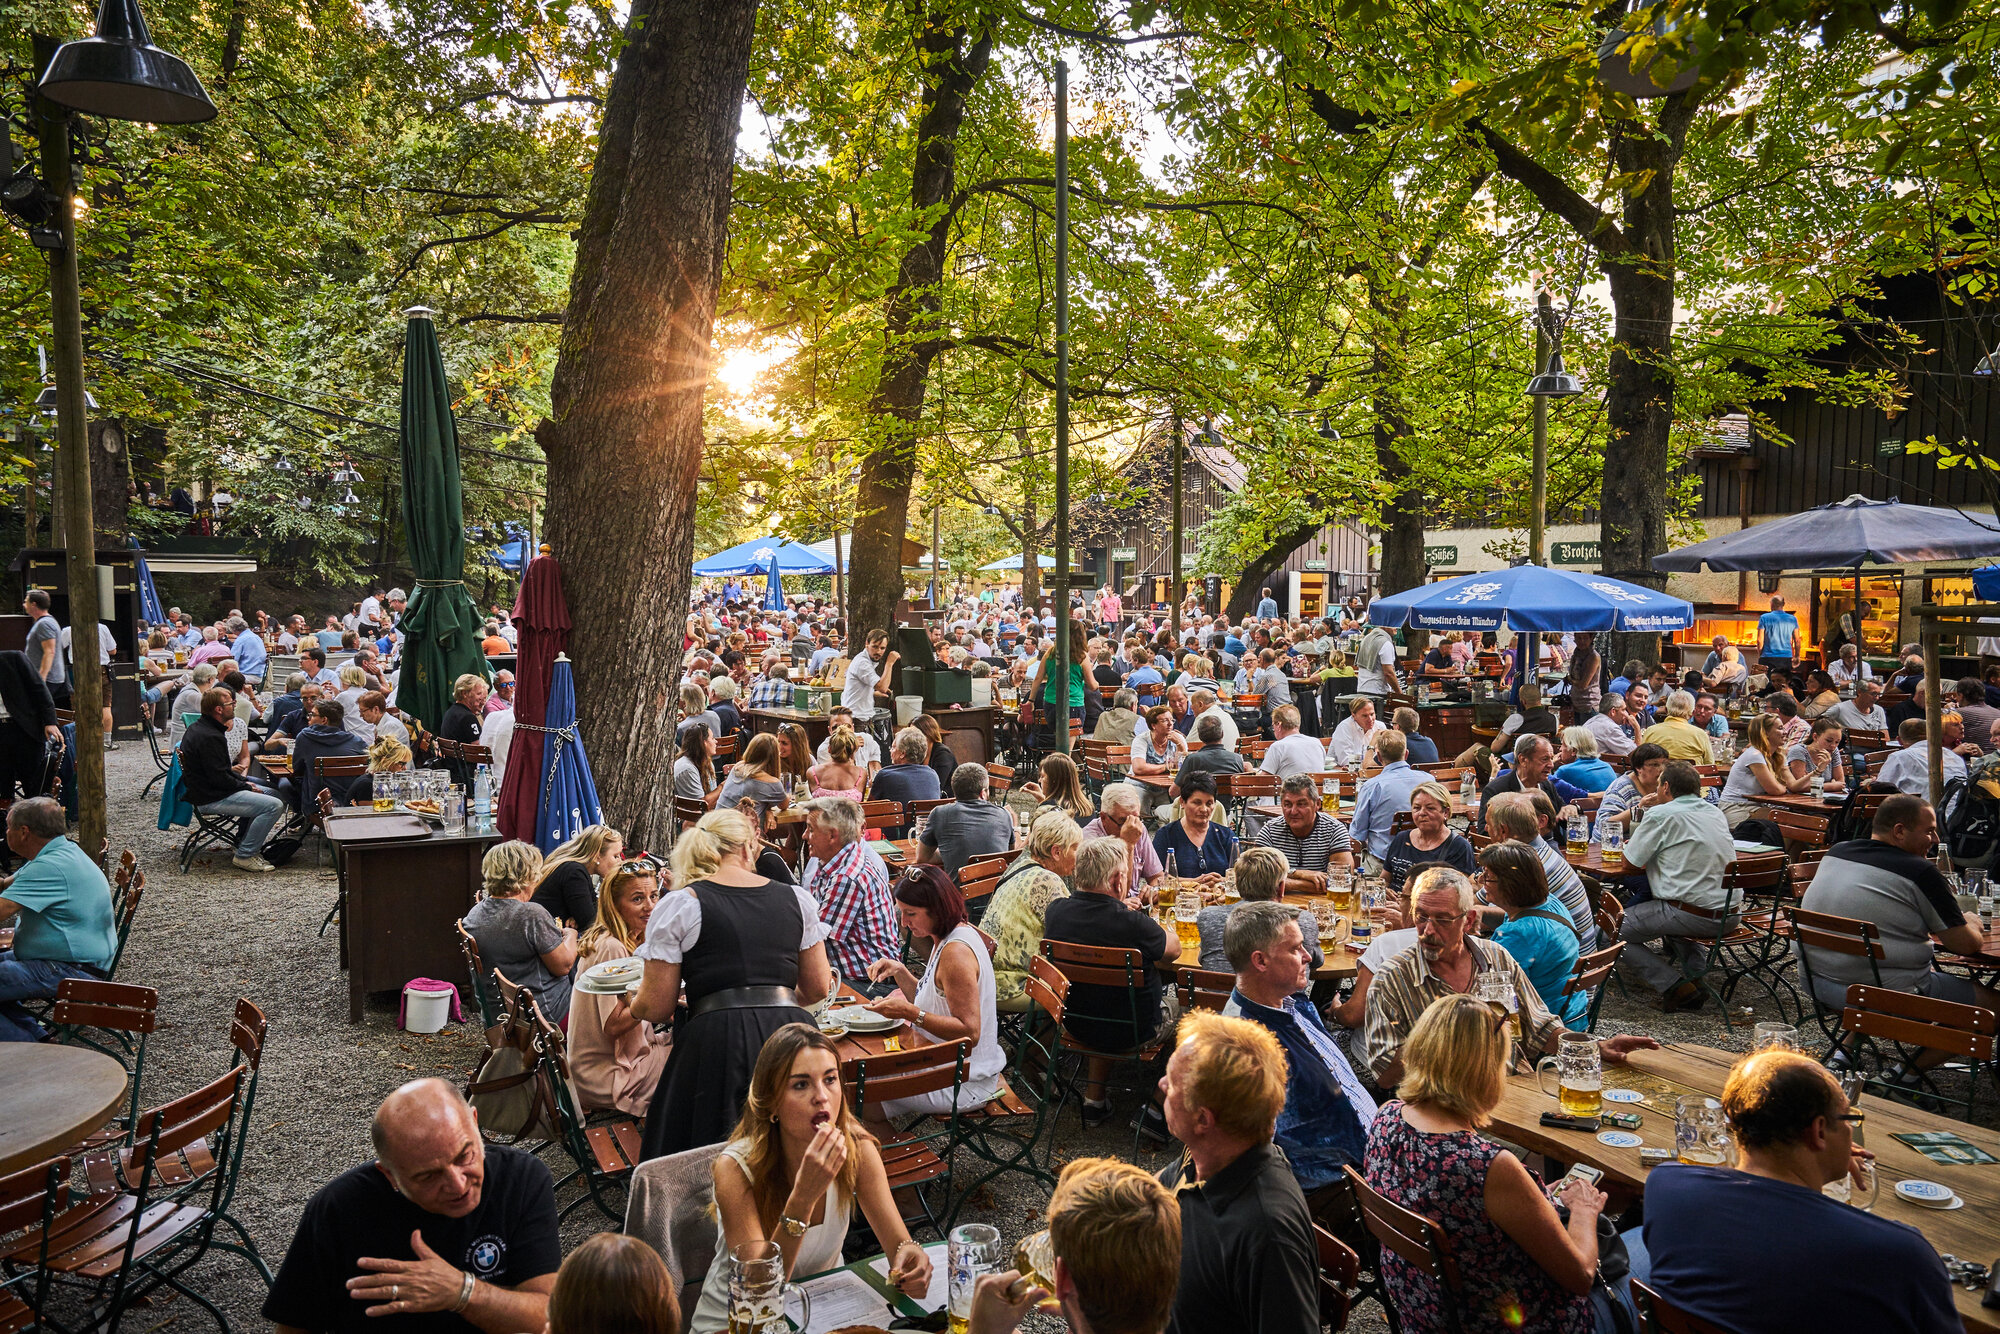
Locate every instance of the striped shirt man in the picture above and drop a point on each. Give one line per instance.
(1403, 990)
(1567, 885)
(1312, 852)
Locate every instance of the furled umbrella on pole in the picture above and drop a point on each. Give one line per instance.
(441, 626)
(774, 588)
(569, 794)
(542, 617)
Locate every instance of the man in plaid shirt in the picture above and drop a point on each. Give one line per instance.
(850, 882)
(773, 690)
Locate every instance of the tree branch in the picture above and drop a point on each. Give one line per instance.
(520, 101)
(498, 317)
(1552, 192)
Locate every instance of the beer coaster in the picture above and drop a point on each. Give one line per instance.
(1623, 1095)
(1929, 1194)
(1619, 1139)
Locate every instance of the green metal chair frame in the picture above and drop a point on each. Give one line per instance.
(918, 1162)
(605, 1153)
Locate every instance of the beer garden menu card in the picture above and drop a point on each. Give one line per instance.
(1947, 1149)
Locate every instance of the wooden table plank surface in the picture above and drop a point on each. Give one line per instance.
(1971, 1233)
(51, 1097)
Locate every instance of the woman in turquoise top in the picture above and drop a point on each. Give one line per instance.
(1537, 932)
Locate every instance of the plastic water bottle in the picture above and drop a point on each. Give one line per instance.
(482, 799)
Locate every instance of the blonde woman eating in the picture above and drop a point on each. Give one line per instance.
(615, 1058)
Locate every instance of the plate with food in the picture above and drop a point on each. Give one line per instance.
(861, 1019)
(426, 808)
(613, 977)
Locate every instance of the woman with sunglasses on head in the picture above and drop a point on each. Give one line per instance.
(570, 876)
(614, 1058)
(951, 1002)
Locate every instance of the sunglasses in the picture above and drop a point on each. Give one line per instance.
(644, 862)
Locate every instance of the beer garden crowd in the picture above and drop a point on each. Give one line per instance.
(1293, 1101)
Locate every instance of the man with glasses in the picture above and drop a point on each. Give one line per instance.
(1119, 818)
(1818, 1263)
(1448, 960)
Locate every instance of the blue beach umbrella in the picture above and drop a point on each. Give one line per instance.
(569, 795)
(774, 588)
(754, 556)
(151, 610)
(1532, 598)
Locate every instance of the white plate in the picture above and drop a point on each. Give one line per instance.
(859, 1019)
(1623, 1095)
(592, 987)
(614, 971)
(1619, 1139)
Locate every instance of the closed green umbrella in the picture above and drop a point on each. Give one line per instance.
(441, 626)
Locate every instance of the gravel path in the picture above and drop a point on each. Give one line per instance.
(206, 938)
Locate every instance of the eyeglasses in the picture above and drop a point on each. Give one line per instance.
(644, 862)
(1448, 919)
(1858, 1118)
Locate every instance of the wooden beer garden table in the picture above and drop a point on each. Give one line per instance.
(1972, 1232)
(51, 1097)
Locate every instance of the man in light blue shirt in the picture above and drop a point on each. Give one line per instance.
(247, 647)
(1385, 794)
(1684, 846)
(65, 906)
(1777, 628)
(1267, 607)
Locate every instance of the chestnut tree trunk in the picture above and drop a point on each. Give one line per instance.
(624, 439)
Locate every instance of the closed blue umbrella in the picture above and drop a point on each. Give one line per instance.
(774, 588)
(569, 794)
(151, 610)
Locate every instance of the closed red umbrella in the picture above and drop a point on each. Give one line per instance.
(542, 617)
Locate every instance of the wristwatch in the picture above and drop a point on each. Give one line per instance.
(794, 1227)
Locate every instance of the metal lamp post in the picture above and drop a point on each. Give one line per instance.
(118, 74)
(1059, 723)
(1551, 380)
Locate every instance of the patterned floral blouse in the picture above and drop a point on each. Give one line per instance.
(1443, 1177)
(1014, 919)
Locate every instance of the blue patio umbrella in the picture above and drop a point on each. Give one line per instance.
(753, 556)
(151, 610)
(1533, 598)
(569, 794)
(774, 588)
(514, 556)
(1014, 562)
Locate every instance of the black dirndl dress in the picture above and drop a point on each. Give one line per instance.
(749, 938)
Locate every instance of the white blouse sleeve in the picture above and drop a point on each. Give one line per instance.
(815, 930)
(673, 928)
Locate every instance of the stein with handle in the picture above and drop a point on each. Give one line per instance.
(758, 1290)
(1701, 1131)
(1579, 1075)
(971, 1250)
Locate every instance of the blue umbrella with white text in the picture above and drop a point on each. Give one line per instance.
(569, 794)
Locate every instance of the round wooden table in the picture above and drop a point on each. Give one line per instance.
(51, 1097)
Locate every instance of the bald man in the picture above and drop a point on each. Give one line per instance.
(443, 1232)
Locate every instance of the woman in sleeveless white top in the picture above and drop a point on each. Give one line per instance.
(818, 1250)
(793, 1171)
(954, 999)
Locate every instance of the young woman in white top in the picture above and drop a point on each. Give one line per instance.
(953, 1000)
(793, 1170)
(1755, 775)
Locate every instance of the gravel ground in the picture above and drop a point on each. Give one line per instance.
(206, 938)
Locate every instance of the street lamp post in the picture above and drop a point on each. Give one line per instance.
(118, 74)
(1059, 722)
(1551, 381)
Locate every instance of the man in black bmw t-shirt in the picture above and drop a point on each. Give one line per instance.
(441, 1234)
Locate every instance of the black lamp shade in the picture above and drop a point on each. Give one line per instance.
(1555, 382)
(119, 74)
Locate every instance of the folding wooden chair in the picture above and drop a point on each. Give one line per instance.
(882, 819)
(916, 1162)
(483, 1000)
(1109, 966)
(163, 759)
(1418, 1241)
(1660, 1316)
(1339, 1268)
(1588, 978)
(1202, 989)
(606, 1151)
(1909, 1024)
(1853, 936)
(30, 1199)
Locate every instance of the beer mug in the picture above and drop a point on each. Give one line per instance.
(1701, 1132)
(1497, 990)
(1857, 1188)
(1187, 905)
(1340, 889)
(1579, 1075)
(1035, 1258)
(758, 1290)
(972, 1249)
(1774, 1035)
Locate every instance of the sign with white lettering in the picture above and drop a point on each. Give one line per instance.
(1440, 555)
(1577, 553)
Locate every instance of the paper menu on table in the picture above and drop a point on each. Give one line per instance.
(940, 1278)
(839, 1299)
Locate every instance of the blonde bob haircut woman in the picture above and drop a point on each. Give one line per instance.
(510, 868)
(1455, 1059)
(700, 850)
(387, 755)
